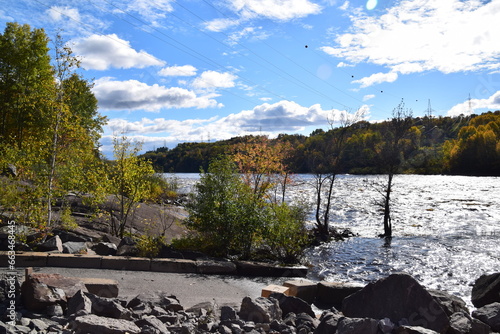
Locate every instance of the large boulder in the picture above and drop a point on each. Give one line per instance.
(486, 290)
(397, 297)
(332, 294)
(37, 296)
(105, 248)
(156, 298)
(290, 304)
(260, 310)
(490, 315)
(53, 244)
(74, 247)
(357, 325)
(95, 324)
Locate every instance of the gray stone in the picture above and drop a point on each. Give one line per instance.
(357, 325)
(127, 250)
(228, 313)
(479, 327)
(451, 304)
(158, 298)
(490, 315)
(292, 304)
(73, 247)
(94, 324)
(79, 302)
(414, 330)
(52, 244)
(396, 297)
(105, 248)
(37, 296)
(260, 310)
(460, 323)
(38, 325)
(328, 323)
(486, 290)
(54, 310)
(108, 307)
(153, 322)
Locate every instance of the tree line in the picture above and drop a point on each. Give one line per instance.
(461, 145)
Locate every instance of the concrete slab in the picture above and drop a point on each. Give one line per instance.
(31, 259)
(303, 289)
(266, 292)
(74, 261)
(102, 287)
(212, 267)
(174, 266)
(125, 263)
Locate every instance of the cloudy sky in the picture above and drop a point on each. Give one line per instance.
(170, 71)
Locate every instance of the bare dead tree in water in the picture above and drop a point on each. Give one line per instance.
(391, 156)
(326, 166)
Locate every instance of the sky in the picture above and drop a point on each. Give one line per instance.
(172, 71)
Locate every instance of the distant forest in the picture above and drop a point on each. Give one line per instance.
(462, 145)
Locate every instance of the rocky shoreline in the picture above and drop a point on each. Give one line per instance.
(394, 304)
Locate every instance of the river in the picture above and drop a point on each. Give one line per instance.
(446, 229)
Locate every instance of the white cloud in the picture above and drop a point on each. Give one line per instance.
(219, 25)
(58, 13)
(279, 10)
(213, 79)
(420, 35)
(178, 71)
(151, 10)
(368, 97)
(103, 52)
(253, 33)
(492, 103)
(135, 95)
(376, 78)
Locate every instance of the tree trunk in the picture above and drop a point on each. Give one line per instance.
(387, 207)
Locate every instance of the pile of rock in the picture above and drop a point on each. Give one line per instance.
(395, 304)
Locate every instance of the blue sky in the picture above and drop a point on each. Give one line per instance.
(170, 71)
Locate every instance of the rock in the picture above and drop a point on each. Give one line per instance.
(450, 304)
(152, 321)
(413, 330)
(94, 324)
(332, 294)
(52, 244)
(486, 290)
(357, 325)
(108, 307)
(212, 267)
(37, 296)
(70, 285)
(54, 310)
(79, 302)
(328, 323)
(479, 327)
(157, 298)
(460, 323)
(105, 248)
(68, 236)
(112, 239)
(228, 313)
(73, 247)
(260, 310)
(396, 297)
(292, 304)
(10, 170)
(490, 315)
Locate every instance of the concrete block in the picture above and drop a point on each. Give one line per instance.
(31, 259)
(247, 268)
(125, 263)
(272, 288)
(102, 287)
(74, 261)
(212, 267)
(173, 266)
(303, 289)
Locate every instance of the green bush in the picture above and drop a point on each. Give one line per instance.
(229, 219)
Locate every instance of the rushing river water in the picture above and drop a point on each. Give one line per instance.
(446, 229)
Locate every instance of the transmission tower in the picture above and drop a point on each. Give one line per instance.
(429, 110)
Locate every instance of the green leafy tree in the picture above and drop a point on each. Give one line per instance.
(128, 178)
